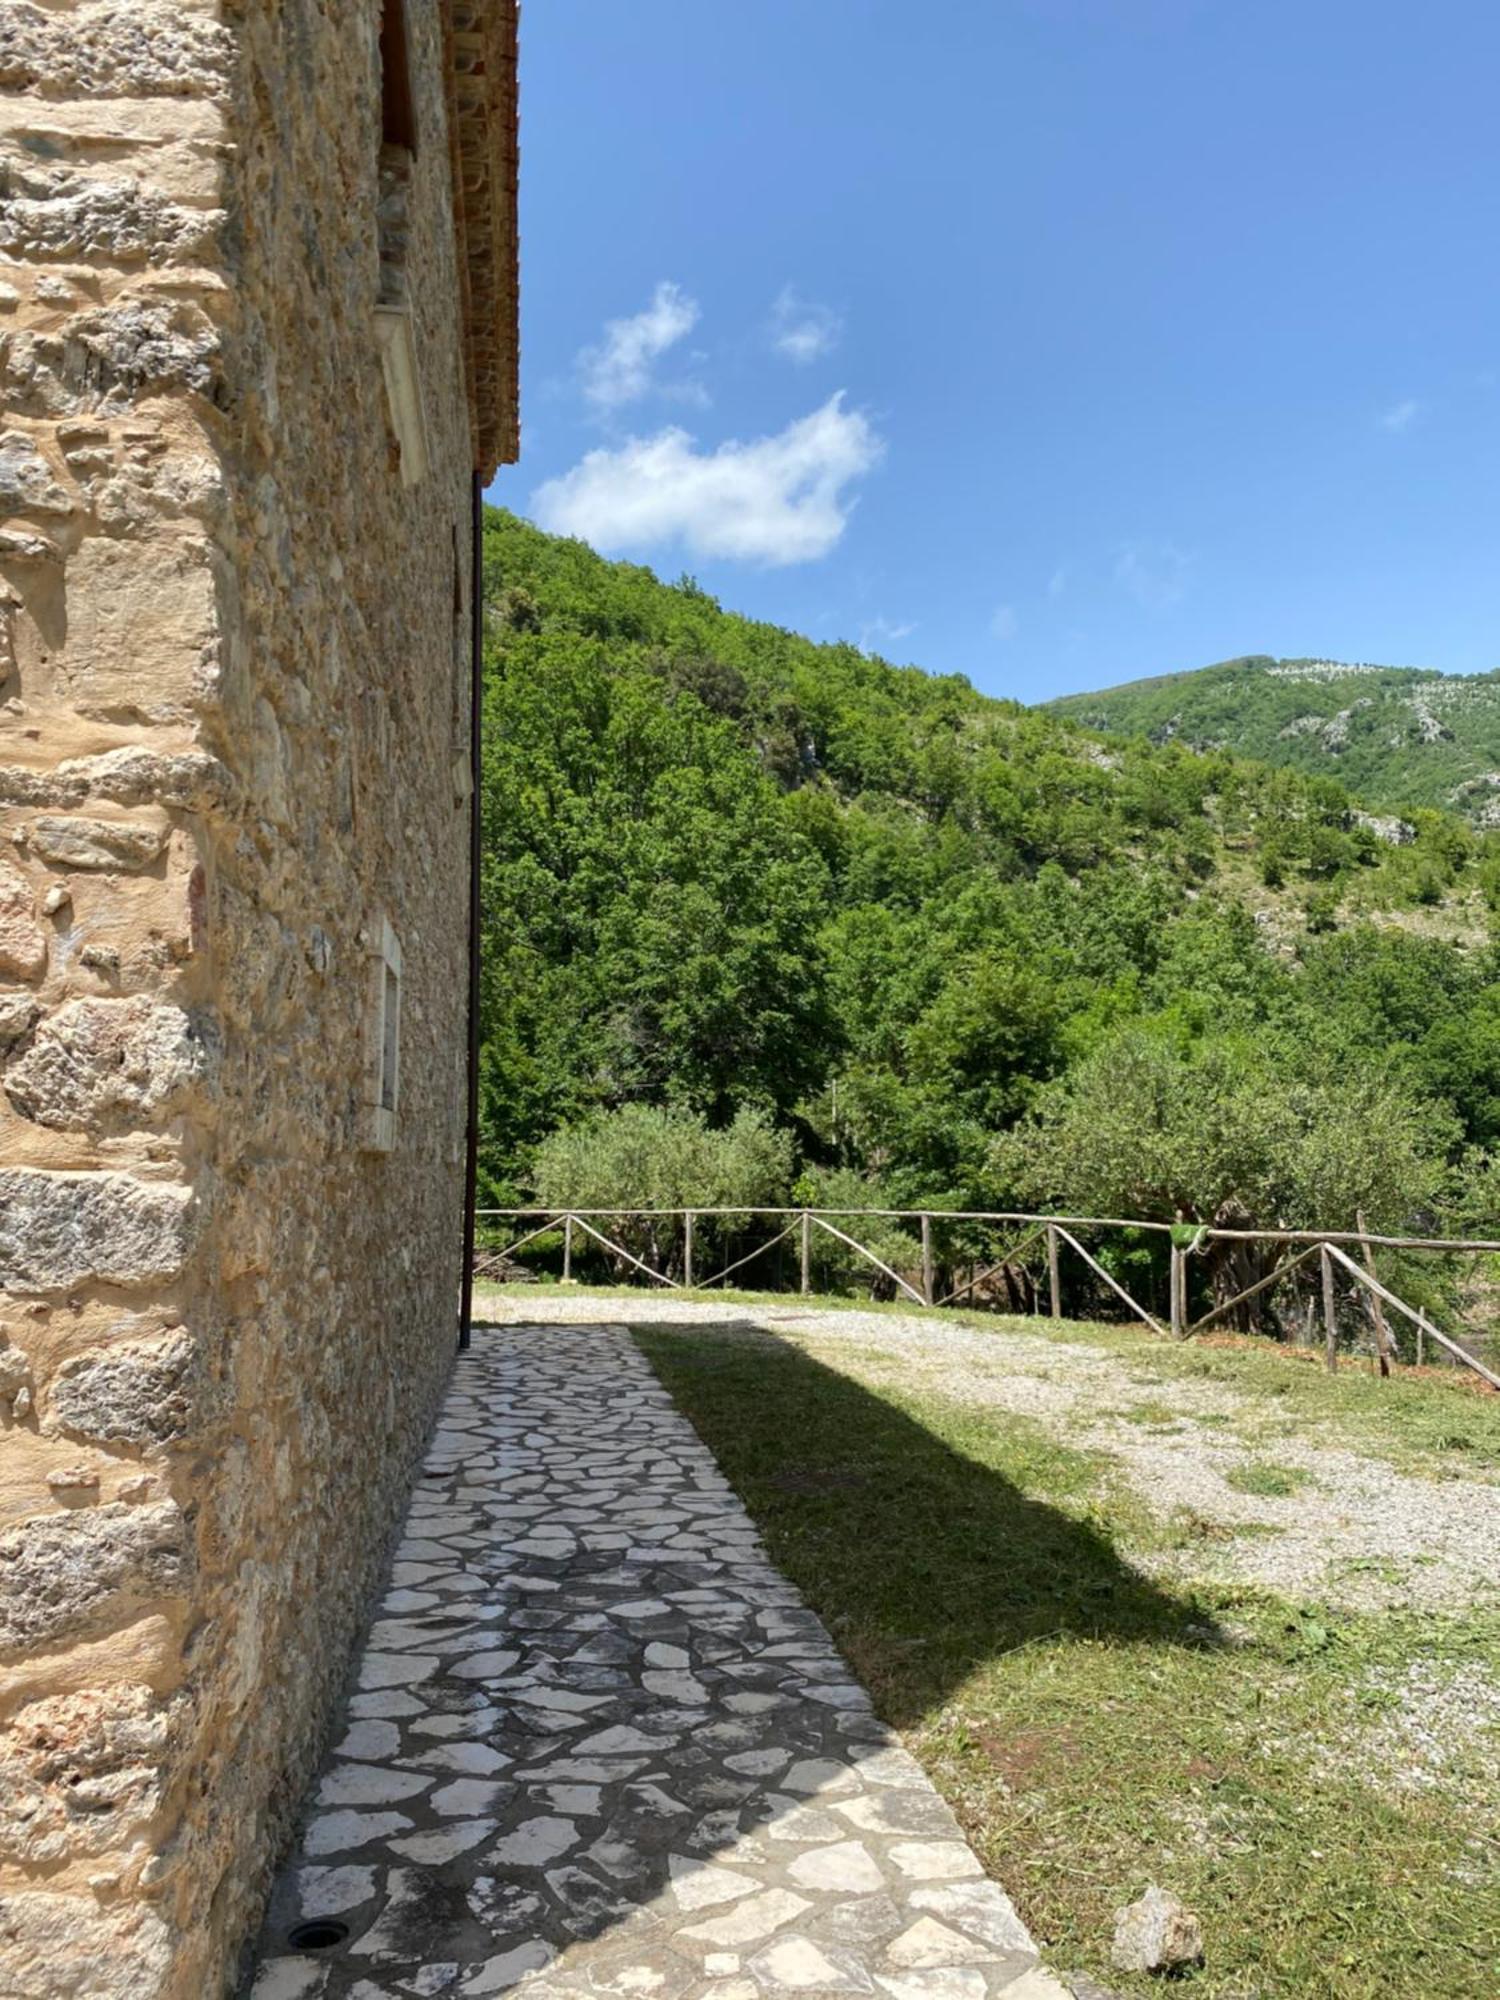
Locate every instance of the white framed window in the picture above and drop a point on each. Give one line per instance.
(382, 1080)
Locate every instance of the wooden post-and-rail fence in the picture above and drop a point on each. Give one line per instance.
(1046, 1235)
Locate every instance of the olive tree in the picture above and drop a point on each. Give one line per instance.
(653, 1156)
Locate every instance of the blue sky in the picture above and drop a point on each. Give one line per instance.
(1054, 342)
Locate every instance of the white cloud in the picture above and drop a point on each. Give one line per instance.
(1400, 415)
(1004, 625)
(877, 633)
(773, 500)
(802, 331)
(618, 370)
(1155, 573)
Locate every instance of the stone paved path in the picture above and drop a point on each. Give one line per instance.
(601, 1750)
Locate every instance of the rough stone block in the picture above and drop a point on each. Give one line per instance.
(17, 1012)
(106, 359)
(51, 212)
(98, 843)
(189, 779)
(21, 786)
(141, 628)
(61, 1947)
(172, 147)
(15, 1376)
(81, 1773)
(23, 942)
(128, 49)
(65, 1576)
(27, 485)
(58, 1230)
(107, 1062)
(139, 1394)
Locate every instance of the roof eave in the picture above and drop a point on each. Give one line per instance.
(484, 135)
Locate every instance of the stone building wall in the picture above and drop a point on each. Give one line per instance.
(233, 697)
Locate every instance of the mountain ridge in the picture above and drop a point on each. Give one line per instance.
(732, 870)
(1397, 738)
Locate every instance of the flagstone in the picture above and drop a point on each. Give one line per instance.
(929, 1943)
(468, 1759)
(981, 1908)
(941, 1983)
(444, 1843)
(797, 1964)
(934, 1860)
(337, 1832)
(847, 1866)
(535, 1842)
(370, 1740)
(696, 1885)
(600, 1749)
(325, 1892)
(369, 1785)
(750, 1920)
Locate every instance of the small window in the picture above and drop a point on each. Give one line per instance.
(398, 122)
(382, 1087)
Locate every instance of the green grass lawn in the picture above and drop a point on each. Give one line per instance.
(1096, 1730)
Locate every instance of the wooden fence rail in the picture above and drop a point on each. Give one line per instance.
(1297, 1249)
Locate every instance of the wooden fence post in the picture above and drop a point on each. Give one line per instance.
(687, 1248)
(806, 1253)
(567, 1277)
(1178, 1287)
(1330, 1318)
(928, 1288)
(1384, 1344)
(1054, 1283)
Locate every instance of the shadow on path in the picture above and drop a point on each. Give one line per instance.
(599, 1747)
(923, 1560)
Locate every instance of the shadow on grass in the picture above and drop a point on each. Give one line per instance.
(924, 1560)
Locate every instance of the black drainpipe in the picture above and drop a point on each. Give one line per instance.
(476, 719)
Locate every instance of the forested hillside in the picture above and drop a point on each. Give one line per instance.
(931, 946)
(1396, 737)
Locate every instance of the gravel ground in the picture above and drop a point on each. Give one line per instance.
(1356, 1532)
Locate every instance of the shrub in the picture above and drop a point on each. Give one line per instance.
(653, 1156)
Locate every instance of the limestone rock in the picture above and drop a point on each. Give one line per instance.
(15, 1377)
(74, 1479)
(17, 1012)
(62, 1947)
(26, 482)
(107, 1062)
(1394, 832)
(23, 942)
(81, 1773)
(129, 776)
(132, 48)
(65, 1575)
(134, 1395)
(98, 843)
(17, 546)
(132, 776)
(105, 359)
(141, 627)
(53, 212)
(59, 1229)
(1156, 1934)
(20, 786)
